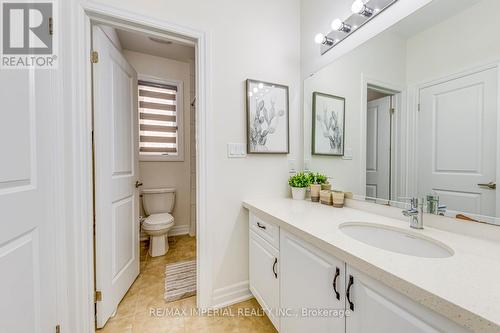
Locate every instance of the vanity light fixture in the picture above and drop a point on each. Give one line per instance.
(363, 12)
(338, 25)
(323, 40)
(358, 7)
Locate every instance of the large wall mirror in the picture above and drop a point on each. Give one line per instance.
(419, 112)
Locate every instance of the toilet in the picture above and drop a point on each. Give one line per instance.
(158, 204)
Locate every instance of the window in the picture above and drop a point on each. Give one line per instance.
(160, 121)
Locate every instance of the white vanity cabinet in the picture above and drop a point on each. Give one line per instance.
(312, 286)
(376, 308)
(264, 266)
(306, 289)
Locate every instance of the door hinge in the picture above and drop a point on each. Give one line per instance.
(393, 110)
(418, 107)
(58, 328)
(94, 57)
(51, 26)
(97, 296)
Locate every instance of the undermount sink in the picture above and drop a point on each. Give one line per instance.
(396, 240)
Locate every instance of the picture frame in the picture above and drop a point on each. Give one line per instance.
(268, 121)
(328, 125)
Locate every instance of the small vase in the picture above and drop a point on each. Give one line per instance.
(315, 188)
(338, 199)
(298, 193)
(326, 187)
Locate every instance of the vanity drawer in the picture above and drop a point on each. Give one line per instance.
(268, 231)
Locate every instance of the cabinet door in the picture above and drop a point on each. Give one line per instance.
(264, 283)
(376, 308)
(307, 288)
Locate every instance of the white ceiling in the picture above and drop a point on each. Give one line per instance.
(138, 42)
(434, 13)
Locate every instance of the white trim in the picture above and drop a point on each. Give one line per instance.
(180, 121)
(235, 293)
(398, 139)
(413, 126)
(80, 250)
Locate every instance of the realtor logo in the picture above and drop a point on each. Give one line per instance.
(27, 34)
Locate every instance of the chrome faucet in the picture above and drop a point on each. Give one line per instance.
(415, 213)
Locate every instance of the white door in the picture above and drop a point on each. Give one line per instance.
(457, 142)
(28, 279)
(376, 308)
(116, 171)
(378, 148)
(310, 280)
(263, 269)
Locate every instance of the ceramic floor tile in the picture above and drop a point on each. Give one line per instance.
(144, 310)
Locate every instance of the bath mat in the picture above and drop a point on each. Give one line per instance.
(180, 280)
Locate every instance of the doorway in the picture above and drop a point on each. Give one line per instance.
(144, 167)
(380, 142)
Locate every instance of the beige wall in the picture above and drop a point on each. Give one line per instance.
(169, 174)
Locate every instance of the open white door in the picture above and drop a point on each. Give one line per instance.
(378, 152)
(457, 142)
(28, 274)
(116, 172)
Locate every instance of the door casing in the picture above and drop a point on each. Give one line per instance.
(81, 226)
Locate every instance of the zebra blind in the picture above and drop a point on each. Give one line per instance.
(158, 119)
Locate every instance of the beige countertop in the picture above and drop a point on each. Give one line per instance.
(464, 287)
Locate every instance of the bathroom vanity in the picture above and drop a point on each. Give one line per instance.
(317, 269)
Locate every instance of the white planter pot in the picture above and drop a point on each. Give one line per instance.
(298, 193)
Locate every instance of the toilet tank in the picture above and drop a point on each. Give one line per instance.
(158, 200)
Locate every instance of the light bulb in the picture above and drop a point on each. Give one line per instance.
(319, 38)
(337, 24)
(261, 85)
(255, 90)
(357, 7)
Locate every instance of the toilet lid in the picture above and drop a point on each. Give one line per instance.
(158, 221)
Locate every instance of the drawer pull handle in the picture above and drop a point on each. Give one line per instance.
(274, 268)
(261, 226)
(337, 273)
(348, 292)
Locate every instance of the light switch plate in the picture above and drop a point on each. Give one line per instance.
(291, 166)
(347, 154)
(236, 150)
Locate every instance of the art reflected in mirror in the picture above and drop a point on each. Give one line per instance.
(267, 118)
(328, 125)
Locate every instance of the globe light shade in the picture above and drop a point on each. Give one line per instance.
(319, 38)
(358, 7)
(337, 24)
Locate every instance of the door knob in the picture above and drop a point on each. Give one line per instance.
(138, 184)
(490, 185)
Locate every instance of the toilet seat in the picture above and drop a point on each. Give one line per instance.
(158, 222)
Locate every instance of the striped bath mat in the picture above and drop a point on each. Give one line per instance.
(180, 280)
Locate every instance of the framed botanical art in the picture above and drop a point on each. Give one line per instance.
(267, 118)
(328, 125)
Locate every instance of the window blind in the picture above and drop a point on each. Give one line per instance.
(158, 120)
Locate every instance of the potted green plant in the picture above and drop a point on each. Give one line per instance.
(299, 183)
(317, 180)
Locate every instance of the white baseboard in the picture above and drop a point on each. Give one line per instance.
(238, 292)
(179, 230)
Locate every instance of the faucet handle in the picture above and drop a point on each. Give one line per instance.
(413, 201)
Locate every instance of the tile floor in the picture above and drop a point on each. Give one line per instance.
(134, 313)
